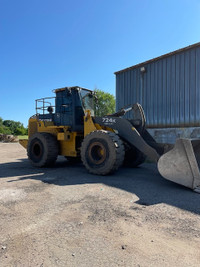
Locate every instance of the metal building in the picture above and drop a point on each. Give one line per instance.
(168, 88)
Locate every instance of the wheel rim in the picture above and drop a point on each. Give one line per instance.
(97, 153)
(37, 150)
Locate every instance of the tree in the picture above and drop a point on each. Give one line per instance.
(105, 103)
(21, 131)
(12, 127)
(3, 128)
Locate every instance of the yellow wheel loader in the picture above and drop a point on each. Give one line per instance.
(65, 125)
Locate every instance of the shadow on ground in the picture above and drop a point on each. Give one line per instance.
(145, 181)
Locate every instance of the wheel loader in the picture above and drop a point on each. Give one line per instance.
(65, 125)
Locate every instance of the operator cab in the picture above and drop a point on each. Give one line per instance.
(67, 108)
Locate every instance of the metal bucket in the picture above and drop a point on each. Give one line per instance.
(181, 164)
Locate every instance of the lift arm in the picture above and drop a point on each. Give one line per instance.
(128, 133)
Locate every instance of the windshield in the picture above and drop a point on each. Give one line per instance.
(88, 100)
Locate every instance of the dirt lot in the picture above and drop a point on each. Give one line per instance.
(64, 216)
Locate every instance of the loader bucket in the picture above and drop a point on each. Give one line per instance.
(181, 164)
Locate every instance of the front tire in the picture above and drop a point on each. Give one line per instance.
(42, 149)
(102, 152)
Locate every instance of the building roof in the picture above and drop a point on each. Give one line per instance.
(160, 57)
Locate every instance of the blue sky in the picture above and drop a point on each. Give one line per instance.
(46, 44)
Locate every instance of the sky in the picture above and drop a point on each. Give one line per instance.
(48, 44)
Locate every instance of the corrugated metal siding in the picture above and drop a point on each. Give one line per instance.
(169, 90)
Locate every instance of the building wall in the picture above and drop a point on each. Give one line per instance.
(169, 135)
(168, 90)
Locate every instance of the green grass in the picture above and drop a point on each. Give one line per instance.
(20, 137)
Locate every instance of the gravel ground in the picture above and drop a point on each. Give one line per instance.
(63, 216)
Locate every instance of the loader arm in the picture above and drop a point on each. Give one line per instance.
(128, 133)
(180, 164)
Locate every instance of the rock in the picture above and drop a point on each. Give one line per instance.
(8, 138)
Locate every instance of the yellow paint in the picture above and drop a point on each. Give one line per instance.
(101, 152)
(66, 139)
(98, 127)
(32, 127)
(89, 125)
(47, 127)
(62, 136)
(68, 147)
(109, 129)
(24, 143)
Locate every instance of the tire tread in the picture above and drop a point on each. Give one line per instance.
(116, 155)
(50, 144)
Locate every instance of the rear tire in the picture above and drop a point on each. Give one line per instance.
(102, 152)
(133, 157)
(42, 149)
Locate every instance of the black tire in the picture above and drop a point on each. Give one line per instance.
(42, 149)
(102, 152)
(73, 160)
(133, 157)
